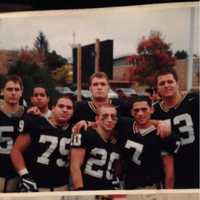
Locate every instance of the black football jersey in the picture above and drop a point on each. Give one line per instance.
(9, 126)
(47, 156)
(141, 155)
(184, 119)
(85, 110)
(101, 157)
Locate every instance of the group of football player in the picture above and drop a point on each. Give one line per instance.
(99, 144)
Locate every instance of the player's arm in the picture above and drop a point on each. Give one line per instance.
(34, 110)
(163, 127)
(26, 183)
(168, 164)
(77, 156)
(21, 144)
(83, 124)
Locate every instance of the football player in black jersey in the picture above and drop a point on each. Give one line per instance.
(94, 153)
(99, 88)
(182, 111)
(10, 114)
(85, 111)
(40, 102)
(40, 154)
(142, 148)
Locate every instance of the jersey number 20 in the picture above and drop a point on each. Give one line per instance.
(100, 162)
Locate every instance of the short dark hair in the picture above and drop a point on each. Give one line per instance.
(140, 98)
(165, 71)
(59, 96)
(14, 78)
(150, 91)
(98, 75)
(41, 86)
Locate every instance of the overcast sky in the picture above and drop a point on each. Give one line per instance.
(125, 25)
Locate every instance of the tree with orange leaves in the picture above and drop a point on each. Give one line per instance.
(153, 53)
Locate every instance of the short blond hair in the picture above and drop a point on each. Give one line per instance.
(107, 105)
(98, 75)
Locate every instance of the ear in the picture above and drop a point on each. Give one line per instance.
(31, 100)
(53, 107)
(21, 92)
(178, 86)
(152, 110)
(2, 92)
(132, 112)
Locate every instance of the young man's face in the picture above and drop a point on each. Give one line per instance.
(63, 110)
(99, 88)
(167, 86)
(39, 98)
(12, 93)
(142, 112)
(107, 118)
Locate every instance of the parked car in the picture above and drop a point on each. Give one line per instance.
(128, 92)
(64, 90)
(112, 94)
(86, 94)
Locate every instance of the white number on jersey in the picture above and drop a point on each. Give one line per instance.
(76, 139)
(138, 150)
(21, 125)
(113, 156)
(6, 143)
(53, 144)
(100, 162)
(63, 151)
(187, 128)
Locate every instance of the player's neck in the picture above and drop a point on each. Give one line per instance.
(143, 126)
(99, 102)
(10, 108)
(55, 122)
(170, 102)
(105, 135)
(44, 110)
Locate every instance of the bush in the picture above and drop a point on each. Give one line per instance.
(181, 54)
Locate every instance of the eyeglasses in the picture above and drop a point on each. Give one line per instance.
(106, 116)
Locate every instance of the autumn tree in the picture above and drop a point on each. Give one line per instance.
(36, 65)
(153, 53)
(28, 67)
(63, 75)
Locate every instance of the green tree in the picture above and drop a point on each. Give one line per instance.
(35, 66)
(31, 75)
(41, 43)
(181, 54)
(54, 60)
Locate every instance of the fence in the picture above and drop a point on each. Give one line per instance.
(189, 194)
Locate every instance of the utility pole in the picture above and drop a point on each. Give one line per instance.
(191, 49)
(97, 55)
(79, 72)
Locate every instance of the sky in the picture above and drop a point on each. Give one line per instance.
(125, 25)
